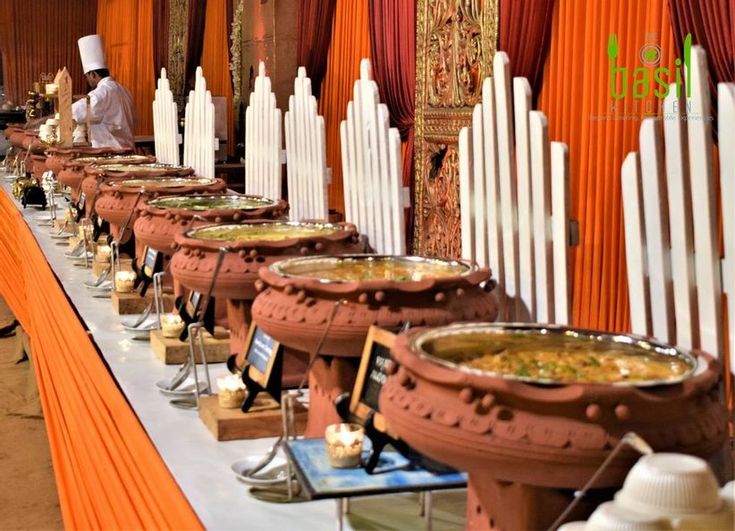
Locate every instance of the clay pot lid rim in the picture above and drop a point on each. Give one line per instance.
(275, 276)
(88, 150)
(141, 170)
(343, 231)
(416, 345)
(152, 208)
(94, 168)
(115, 184)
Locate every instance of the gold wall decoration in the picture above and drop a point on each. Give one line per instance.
(455, 44)
(177, 35)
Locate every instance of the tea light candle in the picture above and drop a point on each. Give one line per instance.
(171, 325)
(231, 391)
(52, 88)
(344, 445)
(53, 122)
(124, 281)
(103, 253)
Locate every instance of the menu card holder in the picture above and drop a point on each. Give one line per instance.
(264, 366)
(190, 311)
(152, 264)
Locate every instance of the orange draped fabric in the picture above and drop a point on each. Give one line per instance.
(108, 473)
(576, 98)
(126, 27)
(216, 60)
(350, 44)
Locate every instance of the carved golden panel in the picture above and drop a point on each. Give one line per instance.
(455, 44)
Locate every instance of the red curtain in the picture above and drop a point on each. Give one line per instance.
(712, 25)
(315, 34)
(160, 35)
(524, 34)
(33, 40)
(197, 16)
(393, 51)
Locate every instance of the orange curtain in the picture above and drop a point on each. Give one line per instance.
(41, 37)
(126, 28)
(108, 473)
(600, 131)
(216, 60)
(350, 44)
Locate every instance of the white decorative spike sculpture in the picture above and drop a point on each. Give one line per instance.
(306, 152)
(371, 167)
(515, 218)
(675, 275)
(263, 151)
(165, 123)
(199, 140)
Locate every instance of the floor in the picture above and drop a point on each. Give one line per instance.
(28, 497)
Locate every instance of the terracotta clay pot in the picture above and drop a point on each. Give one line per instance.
(527, 446)
(78, 169)
(16, 136)
(295, 307)
(58, 157)
(193, 263)
(38, 165)
(31, 141)
(117, 199)
(160, 219)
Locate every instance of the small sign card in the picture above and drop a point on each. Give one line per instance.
(264, 356)
(371, 376)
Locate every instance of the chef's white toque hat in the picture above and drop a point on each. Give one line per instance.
(92, 53)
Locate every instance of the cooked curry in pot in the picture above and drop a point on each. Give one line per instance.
(201, 203)
(558, 358)
(171, 182)
(397, 269)
(263, 231)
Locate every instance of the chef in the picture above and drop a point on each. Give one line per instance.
(111, 106)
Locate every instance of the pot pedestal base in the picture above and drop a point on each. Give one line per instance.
(329, 377)
(170, 350)
(130, 303)
(263, 420)
(496, 505)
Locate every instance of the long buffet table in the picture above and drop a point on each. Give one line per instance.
(123, 457)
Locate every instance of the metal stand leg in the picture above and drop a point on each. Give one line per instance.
(427, 510)
(340, 514)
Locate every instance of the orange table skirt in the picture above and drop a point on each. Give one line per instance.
(108, 472)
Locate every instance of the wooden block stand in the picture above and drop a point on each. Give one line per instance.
(128, 303)
(98, 267)
(172, 351)
(263, 419)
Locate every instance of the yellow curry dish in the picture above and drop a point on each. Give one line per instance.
(263, 231)
(554, 356)
(364, 268)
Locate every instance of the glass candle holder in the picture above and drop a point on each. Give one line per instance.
(230, 391)
(124, 281)
(344, 445)
(103, 253)
(171, 325)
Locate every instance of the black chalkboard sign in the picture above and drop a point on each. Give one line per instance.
(371, 375)
(262, 351)
(264, 366)
(150, 261)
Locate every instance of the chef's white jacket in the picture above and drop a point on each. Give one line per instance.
(112, 114)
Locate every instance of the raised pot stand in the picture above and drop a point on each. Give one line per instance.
(171, 350)
(131, 303)
(264, 419)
